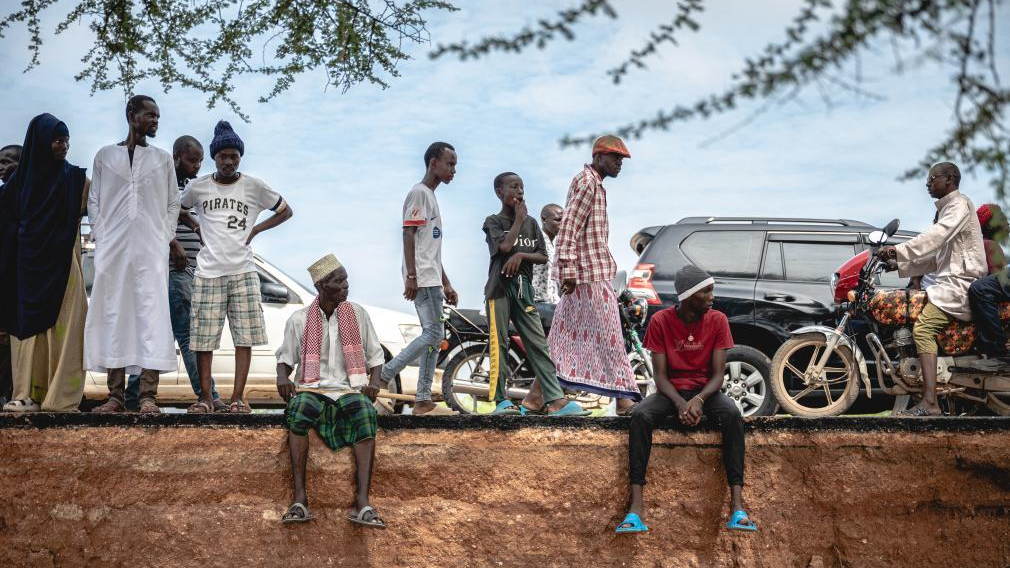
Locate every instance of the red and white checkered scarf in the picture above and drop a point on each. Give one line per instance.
(350, 341)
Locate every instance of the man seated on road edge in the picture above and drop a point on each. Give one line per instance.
(688, 345)
(332, 342)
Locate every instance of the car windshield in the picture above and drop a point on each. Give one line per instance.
(273, 268)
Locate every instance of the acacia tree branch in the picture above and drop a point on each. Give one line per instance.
(545, 32)
(135, 40)
(663, 34)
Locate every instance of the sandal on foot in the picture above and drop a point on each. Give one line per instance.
(219, 405)
(239, 407)
(149, 407)
(523, 411)
(21, 405)
(368, 517)
(199, 407)
(626, 411)
(297, 513)
(439, 411)
(109, 407)
(741, 522)
(505, 408)
(917, 411)
(571, 409)
(632, 524)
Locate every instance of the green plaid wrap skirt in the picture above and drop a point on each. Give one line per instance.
(343, 422)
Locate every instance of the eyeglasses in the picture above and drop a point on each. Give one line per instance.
(934, 176)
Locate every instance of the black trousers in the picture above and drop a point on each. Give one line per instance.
(985, 296)
(657, 408)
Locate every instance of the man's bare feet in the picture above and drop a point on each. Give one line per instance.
(557, 405)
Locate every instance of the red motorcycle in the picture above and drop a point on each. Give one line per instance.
(819, 370)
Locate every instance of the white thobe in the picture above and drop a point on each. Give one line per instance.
(133, 213)
(953, 249)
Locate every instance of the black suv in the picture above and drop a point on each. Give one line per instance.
(772, 277)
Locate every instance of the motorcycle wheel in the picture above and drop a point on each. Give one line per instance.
(797, 355)
(471, 365)
(999, 403)
(642, 371)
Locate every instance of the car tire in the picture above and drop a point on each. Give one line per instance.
(744, 364)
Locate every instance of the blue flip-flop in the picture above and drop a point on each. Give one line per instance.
(632, 524)
(736, 522)
(505, 407)
(570, 409)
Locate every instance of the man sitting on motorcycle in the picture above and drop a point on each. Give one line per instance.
(688, 344)
(987, 293)
(951, 248)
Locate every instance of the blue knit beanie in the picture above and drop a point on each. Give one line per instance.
(225, 137)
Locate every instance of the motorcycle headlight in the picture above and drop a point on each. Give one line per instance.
(833, 283)
(410, 332)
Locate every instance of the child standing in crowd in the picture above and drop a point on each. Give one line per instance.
(227, 203)
(516, 243)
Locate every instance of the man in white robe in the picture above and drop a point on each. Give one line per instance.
(951, 248)
(133, 207)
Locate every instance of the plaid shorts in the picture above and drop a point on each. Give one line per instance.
(343, 422)
(238, 296)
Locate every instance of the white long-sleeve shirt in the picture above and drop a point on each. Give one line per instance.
(952, 248)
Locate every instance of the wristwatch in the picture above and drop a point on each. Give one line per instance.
(411, 277)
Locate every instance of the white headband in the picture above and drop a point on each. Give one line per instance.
(694, 289)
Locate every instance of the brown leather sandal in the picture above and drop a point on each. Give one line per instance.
(111, 406)
(199, 407)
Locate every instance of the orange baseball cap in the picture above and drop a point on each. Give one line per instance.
(608, 143)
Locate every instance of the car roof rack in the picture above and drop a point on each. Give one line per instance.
(771, 221)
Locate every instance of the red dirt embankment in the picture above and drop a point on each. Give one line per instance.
(213, 496)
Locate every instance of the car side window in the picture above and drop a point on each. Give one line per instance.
(814, 262)
(772, 267)
(733, 254)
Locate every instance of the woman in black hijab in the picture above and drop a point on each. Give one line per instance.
(43, 303)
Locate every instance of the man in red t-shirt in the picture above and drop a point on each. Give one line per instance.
(688, 345)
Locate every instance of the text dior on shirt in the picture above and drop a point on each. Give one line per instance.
(522, 241)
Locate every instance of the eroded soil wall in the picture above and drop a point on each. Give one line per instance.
(213, 496)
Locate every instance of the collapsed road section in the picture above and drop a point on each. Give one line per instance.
(480, 491)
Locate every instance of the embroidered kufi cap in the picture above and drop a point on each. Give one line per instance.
(323, 267)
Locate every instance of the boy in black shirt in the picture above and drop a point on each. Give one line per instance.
(516, 244)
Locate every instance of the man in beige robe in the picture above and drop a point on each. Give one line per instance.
(952, 249)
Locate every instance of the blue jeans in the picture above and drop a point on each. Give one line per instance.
(985, 295)
(428, 304)
(180, 295)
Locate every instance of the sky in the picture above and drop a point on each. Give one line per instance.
(344, 161)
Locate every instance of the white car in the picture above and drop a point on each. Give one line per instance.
(282, 296)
